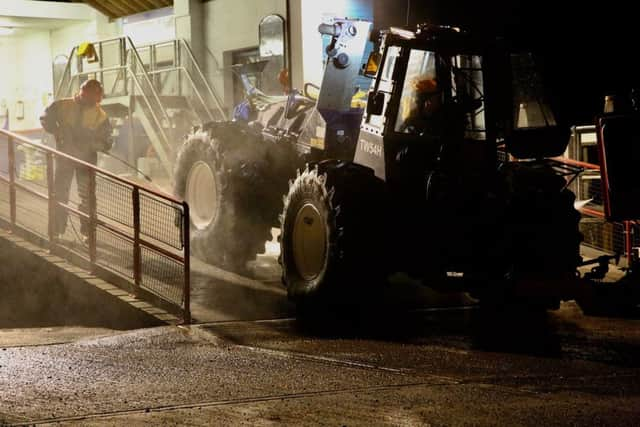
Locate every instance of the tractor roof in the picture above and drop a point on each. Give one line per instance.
(439, 38)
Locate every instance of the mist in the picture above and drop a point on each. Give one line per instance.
(38, 292)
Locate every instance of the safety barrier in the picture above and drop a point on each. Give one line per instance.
(613, 237)
(136, 237)
(609, 236)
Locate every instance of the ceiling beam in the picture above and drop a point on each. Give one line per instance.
(118, 8)
(141, 5)
(132, 8)
(148, 4)
(100, 8)
(159, 3)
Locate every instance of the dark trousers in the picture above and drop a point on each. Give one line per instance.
(64, 173)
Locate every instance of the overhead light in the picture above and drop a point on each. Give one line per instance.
(7, 31)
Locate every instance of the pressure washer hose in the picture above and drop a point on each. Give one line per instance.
(130, 166)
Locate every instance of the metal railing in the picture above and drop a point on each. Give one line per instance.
(613, 237)
(153, 77)
(135, 236)
(200, 82)
(124, 74)
(175, 58)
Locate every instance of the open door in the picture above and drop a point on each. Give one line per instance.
(619, 150)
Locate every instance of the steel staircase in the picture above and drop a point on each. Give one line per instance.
(160, 87)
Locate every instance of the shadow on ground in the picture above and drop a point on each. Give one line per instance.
(560, 334)
(38, 293)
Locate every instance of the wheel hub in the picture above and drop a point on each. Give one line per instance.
(309, 242)
(201, 194)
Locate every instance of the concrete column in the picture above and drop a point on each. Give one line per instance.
(294, 27)
(189, 16)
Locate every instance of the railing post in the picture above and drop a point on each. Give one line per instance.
(52, 202)
(177, 61)
(101, 59)
(628, 243)
(12, 180)
(137, 266)
(187, 264)
(634, 248)
(93, 215)
(122, 48)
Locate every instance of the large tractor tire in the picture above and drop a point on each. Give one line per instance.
(333, 236)
(226, 229)
(542, 237)
(543, 221)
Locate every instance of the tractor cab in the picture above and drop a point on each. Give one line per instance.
(453, 99)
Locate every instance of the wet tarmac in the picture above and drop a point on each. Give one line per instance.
(218, 295)
(416, 357)
(453, 366)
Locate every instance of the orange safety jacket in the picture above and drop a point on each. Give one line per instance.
(81, 131)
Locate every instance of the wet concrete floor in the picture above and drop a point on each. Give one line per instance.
(436, 366)
(420, 358)
(218, 295)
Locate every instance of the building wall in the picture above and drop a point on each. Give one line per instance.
(9, 76)
(307, 44)
(29, 80)
(64, 39)
(150, 27)
(232, 25)
(224, 26)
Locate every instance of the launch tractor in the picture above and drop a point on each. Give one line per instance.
(447, 175)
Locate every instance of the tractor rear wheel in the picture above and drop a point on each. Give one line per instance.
(224, 230)
(541, 231)
(543, 221)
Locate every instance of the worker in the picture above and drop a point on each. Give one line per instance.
(421, 111)
(81, 129)
(440, 127)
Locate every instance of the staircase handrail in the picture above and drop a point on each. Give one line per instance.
(204, 79)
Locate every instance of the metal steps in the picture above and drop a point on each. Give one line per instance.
(166, 93)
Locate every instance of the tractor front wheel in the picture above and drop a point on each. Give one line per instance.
(332, 241)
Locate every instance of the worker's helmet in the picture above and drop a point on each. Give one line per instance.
(425, 86)
(91, 84)
(91, 92)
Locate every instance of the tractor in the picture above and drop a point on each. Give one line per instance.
(452, 181)
(447, 175)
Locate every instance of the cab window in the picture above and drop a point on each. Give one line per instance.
(417, 91)
(468, 89)
(531, 109)
(385, 85)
